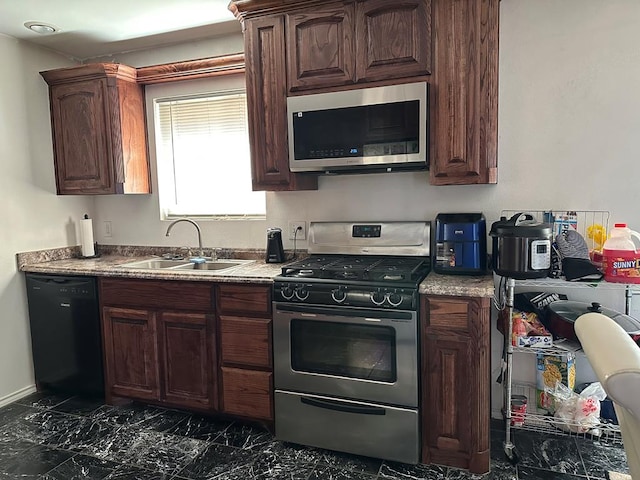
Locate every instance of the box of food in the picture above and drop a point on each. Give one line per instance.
(552, 369)
(565, 221)
(534, 341)
(526, 329)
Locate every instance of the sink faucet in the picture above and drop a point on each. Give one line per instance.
(200, 250)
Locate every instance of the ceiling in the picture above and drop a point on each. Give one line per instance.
(91, 28)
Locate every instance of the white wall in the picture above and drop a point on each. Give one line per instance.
(568, 124)
(33, 217)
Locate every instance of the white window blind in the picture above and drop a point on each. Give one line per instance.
(202, 151)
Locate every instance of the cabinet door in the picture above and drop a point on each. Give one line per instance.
(247, 393)
(267, 108)
(320, 47)
(81, 134)
(131, 355)
(393, 39)
(455, 390)
(448, 403)
(464, 120)
(187, 345)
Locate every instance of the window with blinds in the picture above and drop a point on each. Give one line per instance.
(202, 152)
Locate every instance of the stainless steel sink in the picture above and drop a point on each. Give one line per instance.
(155, 264)
(217, 265)
(186, 265)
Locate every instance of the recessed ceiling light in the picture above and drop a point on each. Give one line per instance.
(40, 27)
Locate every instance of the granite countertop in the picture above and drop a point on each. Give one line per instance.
(458, 285)
(66, 261)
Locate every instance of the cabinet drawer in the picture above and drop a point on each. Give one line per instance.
(450, 314)
(245, 341)
(247, 393)
(252, 300)
(157, 294)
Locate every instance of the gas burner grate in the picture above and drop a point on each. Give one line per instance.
(361, 268)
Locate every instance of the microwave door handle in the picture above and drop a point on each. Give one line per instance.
(343, 407)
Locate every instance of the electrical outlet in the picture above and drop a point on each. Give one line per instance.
(107, 229)
(301, 227)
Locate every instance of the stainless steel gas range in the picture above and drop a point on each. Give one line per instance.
(345, 337)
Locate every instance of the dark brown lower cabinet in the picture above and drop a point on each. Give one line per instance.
(131, 353)
(187, 350)
(160, 342)
(163, 343)
(247, 393)
(244, 319)
(455, 397)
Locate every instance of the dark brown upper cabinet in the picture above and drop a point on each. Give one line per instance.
(345, 43)
(267, 107)
(464, 103)
(393, 39)
(320, 47)
(452, 44)
(98, 130)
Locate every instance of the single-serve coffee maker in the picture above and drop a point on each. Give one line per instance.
(275, 252)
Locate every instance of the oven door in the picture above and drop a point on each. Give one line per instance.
(356, 353)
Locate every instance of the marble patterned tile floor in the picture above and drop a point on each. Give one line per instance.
(54, 437)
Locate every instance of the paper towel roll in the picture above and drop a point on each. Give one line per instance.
(87, 237)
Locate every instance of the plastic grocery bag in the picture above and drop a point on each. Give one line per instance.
(579, 413)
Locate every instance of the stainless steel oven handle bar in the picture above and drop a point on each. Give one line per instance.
(339, 406)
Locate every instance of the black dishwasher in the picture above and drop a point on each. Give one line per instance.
(65, 334)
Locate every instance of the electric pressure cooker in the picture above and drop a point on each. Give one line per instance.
(521, 247)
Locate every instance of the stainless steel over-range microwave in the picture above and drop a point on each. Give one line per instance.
(368, 128)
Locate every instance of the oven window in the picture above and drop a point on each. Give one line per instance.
(354, 351)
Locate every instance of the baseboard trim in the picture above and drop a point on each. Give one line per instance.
(618, 476)
(12, 397)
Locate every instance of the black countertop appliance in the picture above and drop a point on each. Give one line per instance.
(275, 252)
(521, 247)
(461, 244)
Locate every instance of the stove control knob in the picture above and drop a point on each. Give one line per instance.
(394, 298)
(287, 292)
(377, 297)
(339, 295)
(302, 293)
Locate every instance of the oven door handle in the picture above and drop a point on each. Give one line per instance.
(342, 406)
